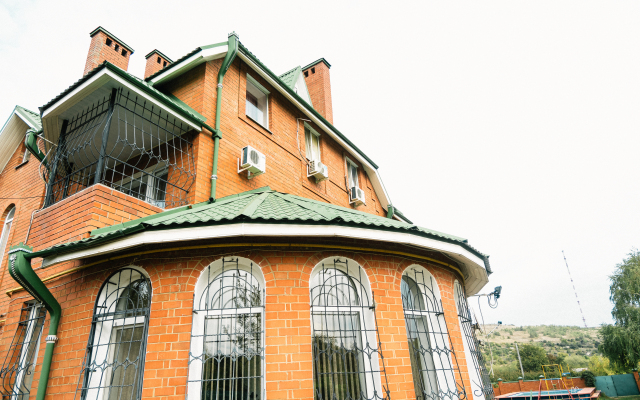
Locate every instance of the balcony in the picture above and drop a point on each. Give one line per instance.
(118, 138)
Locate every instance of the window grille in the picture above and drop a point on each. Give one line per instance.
(436, 374)
(114, 362)
(480, 381)
(126, 143)
(20, 360)
(226, 360)
(347, 356)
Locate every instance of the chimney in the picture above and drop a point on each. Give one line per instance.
(106, 47)
(155, 62)
(316, 76)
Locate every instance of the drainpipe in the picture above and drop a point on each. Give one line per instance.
(390, 211)
(20, 270)
(31, 142)
(226, 63)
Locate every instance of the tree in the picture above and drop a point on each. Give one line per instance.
(621, 341)
(533, 357)
(599, 365)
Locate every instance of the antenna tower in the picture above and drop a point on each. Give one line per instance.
(574, 289)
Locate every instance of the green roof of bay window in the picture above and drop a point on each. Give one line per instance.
(258, 206)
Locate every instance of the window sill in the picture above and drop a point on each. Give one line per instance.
(21, 164)
(258, 123)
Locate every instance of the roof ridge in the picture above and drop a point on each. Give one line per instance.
(329, 216)
(289, 71)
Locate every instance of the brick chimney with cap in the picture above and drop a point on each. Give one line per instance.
(106, 47)
(316, 76)
(155, 62)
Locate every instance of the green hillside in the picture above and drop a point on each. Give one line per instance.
(571, 346)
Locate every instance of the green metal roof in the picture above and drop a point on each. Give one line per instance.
(169, 100)
(106, 32)
(290, 77)
(257, 206)
(33, 118)
(159, 53)
(316, 62)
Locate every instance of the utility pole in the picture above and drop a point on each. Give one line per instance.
(519, 360)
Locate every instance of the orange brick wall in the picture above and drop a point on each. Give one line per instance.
(287, 315)
(286, 164)
(100, 52)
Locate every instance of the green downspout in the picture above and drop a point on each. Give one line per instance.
(226, 63)
(31, 142)
(20, 270)
(390, 211)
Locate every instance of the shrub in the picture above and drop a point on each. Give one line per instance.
(589, 378)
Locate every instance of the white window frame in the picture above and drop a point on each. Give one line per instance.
(24, 351)
(312, 155)
(152, 175)
(257, 85)
(208, 275)
(350, 164)
(6, 230)
(106, 330)
(373, 380)
(26, 155)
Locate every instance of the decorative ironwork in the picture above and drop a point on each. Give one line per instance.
(226, 360)
(347, 356)
(480, 381)
(20, 360)
(126, 143)
(436, 374)
(114, 362)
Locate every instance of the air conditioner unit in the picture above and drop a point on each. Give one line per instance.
(253, 161)
(318, 170)
(356, 196)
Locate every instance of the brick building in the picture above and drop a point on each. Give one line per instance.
(207, 233)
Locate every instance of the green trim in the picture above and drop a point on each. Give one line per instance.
(317, 62)
(21, 271)
(159, 53)
(106, 32)
(273, 76)
(399, 214)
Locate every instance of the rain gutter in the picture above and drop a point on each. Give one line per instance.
(31, 142)
(217, 134)
(20, 270)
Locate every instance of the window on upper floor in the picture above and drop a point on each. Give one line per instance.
(150, 186)
(352, 174)
(8, 221)
(257, 102)
(312, 140)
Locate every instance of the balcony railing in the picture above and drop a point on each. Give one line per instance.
(127, 143)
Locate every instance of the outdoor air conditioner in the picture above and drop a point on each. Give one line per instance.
(318, 170)
(253, 161)
(356, 196)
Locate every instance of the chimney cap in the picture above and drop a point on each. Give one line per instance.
(318, 61)
(159, 53)
(112, 36)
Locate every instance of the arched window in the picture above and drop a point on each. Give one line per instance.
(436, 374)
(226, 360)
(114, 362)
(8, 221)
(480, 382)
(346, 352)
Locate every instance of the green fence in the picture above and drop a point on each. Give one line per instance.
(617, 385)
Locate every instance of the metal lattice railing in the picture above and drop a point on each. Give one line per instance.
(126, 143)
(347, 356)
(19, 362)
(436, 374)
(481, 386)
(226, 360)
(114, 361)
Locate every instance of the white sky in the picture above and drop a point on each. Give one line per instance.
(513, 124)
